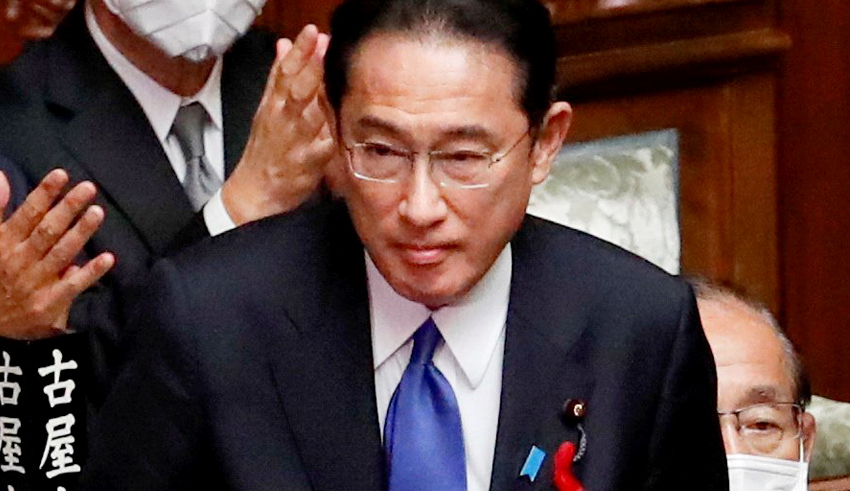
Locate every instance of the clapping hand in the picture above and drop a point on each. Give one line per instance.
(38, 245)
(290, 142)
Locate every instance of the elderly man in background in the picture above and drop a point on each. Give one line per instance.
(762, 393)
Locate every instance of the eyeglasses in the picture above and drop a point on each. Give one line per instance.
(468, 169)
(763, 427)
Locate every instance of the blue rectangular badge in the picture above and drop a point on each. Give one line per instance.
(533, 463)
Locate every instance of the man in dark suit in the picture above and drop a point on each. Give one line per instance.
(426, 334)
(91, 100)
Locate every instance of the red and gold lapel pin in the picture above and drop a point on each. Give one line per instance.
(572, 413)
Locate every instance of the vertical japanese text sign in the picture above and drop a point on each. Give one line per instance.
(42, 413)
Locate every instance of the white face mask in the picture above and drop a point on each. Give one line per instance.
(756, 473)
(194, 29)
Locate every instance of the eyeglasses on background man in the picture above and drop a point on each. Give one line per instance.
(762, 392)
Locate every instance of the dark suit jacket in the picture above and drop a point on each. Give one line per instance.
(254, 370)
(62, 105)
(17, 183)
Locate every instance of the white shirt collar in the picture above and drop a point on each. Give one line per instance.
(159, 104)
(470, 327)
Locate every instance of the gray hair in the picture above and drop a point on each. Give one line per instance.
(706, 290)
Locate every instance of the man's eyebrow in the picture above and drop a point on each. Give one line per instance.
(471, 131)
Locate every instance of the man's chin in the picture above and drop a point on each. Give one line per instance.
(425, 281)
(433, 297)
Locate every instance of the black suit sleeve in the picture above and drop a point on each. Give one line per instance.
(104, 309)
(194, 231)
(686, 451)
(149, 433)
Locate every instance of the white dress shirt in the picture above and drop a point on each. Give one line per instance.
(160, 105)
(470, 359)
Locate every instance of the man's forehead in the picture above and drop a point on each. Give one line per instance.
(739, 336)
(764, 393)
(731, 321)
(742, 386)
(751, 362)
(431, 71)
(428, 104)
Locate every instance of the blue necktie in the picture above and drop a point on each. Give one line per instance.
(422, 433)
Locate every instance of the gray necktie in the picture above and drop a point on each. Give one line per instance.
(200, 182)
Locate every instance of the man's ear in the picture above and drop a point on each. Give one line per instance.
(550, 138)
(809, 434)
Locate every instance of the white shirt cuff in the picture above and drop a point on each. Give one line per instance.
(217, 219)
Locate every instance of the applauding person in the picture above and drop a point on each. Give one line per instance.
(39, 243)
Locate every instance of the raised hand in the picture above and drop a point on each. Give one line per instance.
(38, 244)
(290, 141)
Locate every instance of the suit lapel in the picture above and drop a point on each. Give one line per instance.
(106, 132)
(541, 365)
(127, 161)
(325, 375)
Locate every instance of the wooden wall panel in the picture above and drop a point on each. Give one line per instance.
(287, 17)
(727, 210)
(814, 180)
(753, 211)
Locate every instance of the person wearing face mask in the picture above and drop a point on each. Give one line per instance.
(762, 393)
(155, 102)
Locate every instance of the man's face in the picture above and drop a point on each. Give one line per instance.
(750, 370)
(433, 243)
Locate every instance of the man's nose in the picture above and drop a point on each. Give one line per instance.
(731, 438)
(422, 204)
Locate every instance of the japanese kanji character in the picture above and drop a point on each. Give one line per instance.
(60, 446)
(65, 386)
(9, 391)
(10, 445)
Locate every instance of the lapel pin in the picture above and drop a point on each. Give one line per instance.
(572, 413)
(532, 463)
